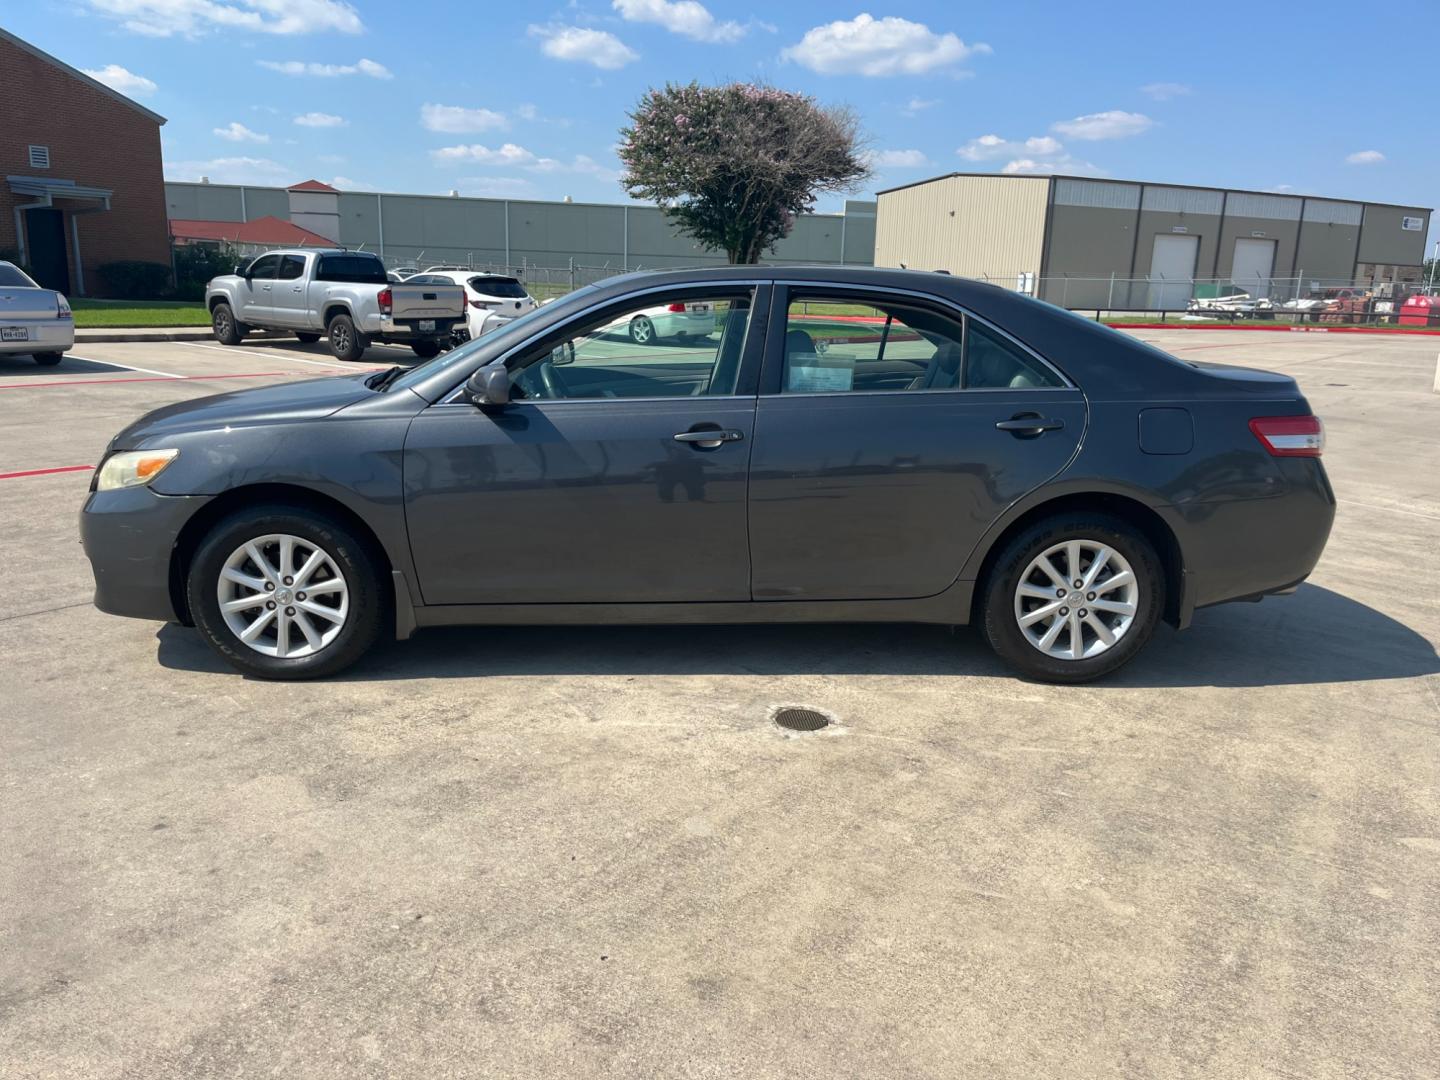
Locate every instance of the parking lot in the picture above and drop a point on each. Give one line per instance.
(581, 852)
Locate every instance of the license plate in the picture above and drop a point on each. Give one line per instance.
(699, 309)
(427, 324)
(14, 333)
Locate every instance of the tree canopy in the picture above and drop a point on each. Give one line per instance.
(734, 165)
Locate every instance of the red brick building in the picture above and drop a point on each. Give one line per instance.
(81, 179)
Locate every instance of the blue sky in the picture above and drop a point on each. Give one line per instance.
(526, 99)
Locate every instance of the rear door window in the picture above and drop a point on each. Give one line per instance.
(292, 267)
(351, 270)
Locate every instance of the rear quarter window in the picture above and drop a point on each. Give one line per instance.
(351, 270)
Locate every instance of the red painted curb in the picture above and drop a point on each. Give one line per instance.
(1269, 329)
(166, 378)
(46, 472)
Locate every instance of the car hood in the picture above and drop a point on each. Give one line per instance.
(309, 399)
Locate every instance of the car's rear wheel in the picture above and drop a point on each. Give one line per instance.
(228, 330)
(308, 339)
(642, 331)
(1073, 597)
(285, 593)
(48, 359)
(346, 342)
(425, 349)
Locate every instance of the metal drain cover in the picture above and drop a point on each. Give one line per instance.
(801, 719)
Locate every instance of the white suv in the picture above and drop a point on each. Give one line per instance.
(491, 300)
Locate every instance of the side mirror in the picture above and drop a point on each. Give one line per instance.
(242, 271)
(489, 386)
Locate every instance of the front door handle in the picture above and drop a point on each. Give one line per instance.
(297, 288)
(1029, 425)
(709, 440)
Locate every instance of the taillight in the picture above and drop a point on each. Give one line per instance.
(677, 308)
(482, 304)
(387, 301)
(1290, 436)
(63, 308)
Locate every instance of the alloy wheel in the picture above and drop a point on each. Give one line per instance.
(1076, 599)
(283, 596)
(641, 329)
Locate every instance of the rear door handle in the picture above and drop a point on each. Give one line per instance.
(708, 440)
(1029, 425)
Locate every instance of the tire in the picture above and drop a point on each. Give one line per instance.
(47, 359)
(642, 331)
(228, 329)
(308, 339)
(346, 342)
(1003, 605)
(425, 349)
(332, 645)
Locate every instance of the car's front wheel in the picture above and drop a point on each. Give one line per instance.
(1073, 597)
(228, 329)
(642, 331)
(285, 593)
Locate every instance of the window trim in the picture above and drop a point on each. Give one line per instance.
(751, 357)
(771, 377)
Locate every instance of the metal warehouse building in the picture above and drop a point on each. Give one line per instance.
(601, 238)
(1087, 243)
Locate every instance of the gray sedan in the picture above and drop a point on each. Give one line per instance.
(848, 445)
(33, 320)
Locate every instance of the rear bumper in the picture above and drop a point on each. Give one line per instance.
(129, 537)
(45, 336)
(408, 329)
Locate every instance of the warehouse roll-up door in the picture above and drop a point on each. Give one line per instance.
(1172, 271)
(1253, 264)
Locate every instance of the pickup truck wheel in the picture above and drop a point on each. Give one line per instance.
(425, 349)
(346, 342)
(228, 330)
(308, 339)
(286, 593)
(48, 359)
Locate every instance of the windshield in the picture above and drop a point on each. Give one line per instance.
(12, 277)
(498, 286)
(511, 333)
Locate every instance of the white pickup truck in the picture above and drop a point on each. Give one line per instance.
(343, 295)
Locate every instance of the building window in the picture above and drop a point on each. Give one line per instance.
(39, 157)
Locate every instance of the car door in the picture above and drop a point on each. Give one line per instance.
(289, 293)
(257, 291)
(616, 474)
(891, 431)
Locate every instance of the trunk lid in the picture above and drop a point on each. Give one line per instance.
(26, 304)
(426, 301)
(1250, 380)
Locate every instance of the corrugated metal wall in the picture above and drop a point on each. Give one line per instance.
(968, 225)
(435, 229)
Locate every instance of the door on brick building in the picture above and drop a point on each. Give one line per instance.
(45, 248)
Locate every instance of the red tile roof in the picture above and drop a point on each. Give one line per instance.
(265, 230)
(312, 185)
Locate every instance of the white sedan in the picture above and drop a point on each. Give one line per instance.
(678, 320)
(33, 320)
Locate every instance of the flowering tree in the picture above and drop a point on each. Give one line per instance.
(735, 164)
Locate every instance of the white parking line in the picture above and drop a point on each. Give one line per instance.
(124, 367)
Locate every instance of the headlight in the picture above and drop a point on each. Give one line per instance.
(133, 468)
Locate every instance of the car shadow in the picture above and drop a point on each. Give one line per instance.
(1316, 636)
(22, 365)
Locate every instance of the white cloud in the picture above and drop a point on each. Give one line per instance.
(345, 182)
(320, 120)
(598, 47)
(870, 46)
(1281, 189)
(456, 119)
(497, 187)
(917, 105)
(685, 17)
(508, 154)
(1064, 164)
(1114, 124)
(118, 78)
(238, 132)
(191, 18)
(581, 163)
(1364, 157)
(1164, 91)
(230, 170)
(896, 159)
(328, 71)
(991, 147)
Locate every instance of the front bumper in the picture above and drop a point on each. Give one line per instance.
(130, 537)
(46, 336)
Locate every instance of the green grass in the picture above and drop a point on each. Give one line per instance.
(138, 313)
